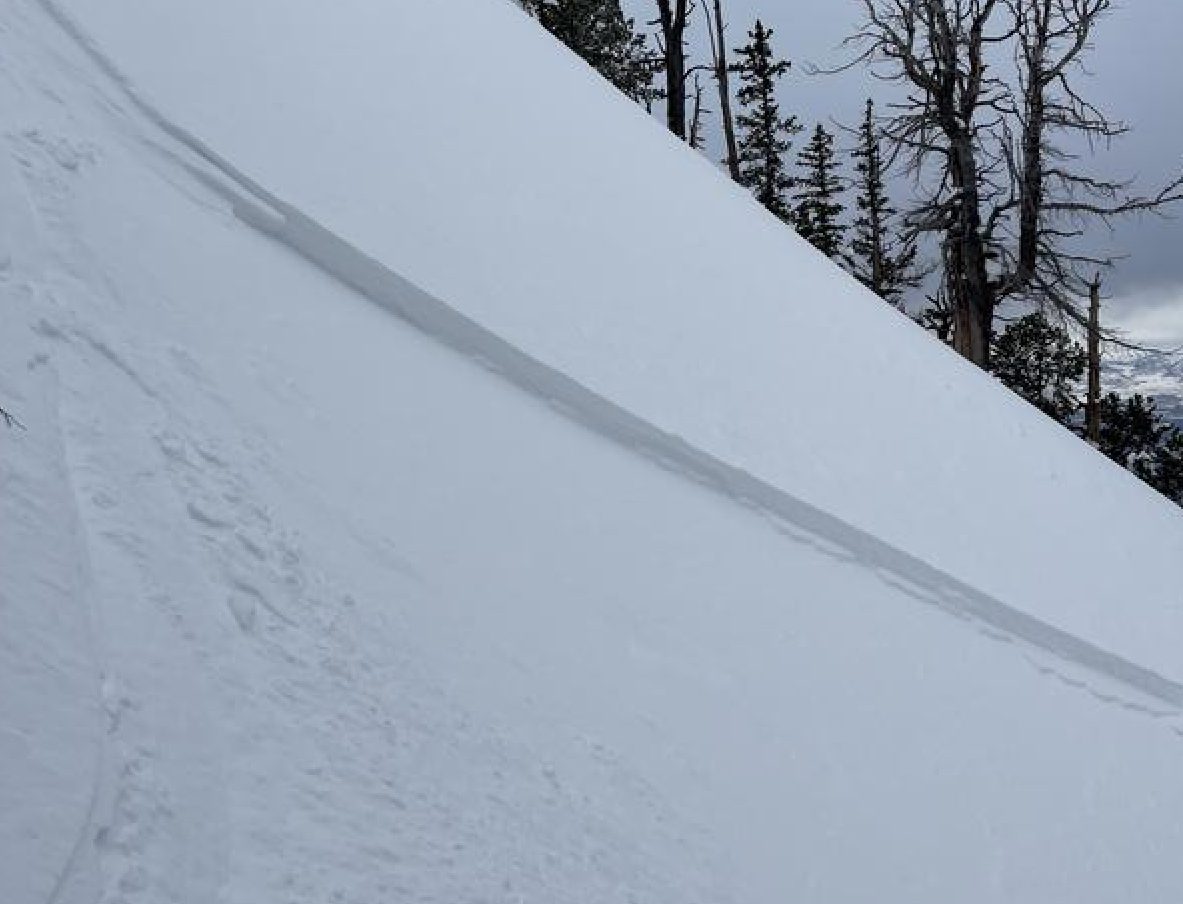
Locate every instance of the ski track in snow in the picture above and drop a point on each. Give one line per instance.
(1083, 663)
(152, 804)
(50, 432)
(128, 801)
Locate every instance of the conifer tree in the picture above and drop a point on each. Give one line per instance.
(818, 210)
(764, 135)
(884, 263)
(599, 32)
(1132, 431)
(1135, 435)
(1168, 466)
(1040, 361)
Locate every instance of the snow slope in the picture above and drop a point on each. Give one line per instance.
(524, 211)
(511, 596)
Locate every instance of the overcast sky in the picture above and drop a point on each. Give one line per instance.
(1135, 74)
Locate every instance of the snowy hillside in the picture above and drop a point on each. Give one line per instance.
(392, 523)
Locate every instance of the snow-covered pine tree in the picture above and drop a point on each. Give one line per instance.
(883, 262)
(817, 213)
(599, 32)
(764, 135)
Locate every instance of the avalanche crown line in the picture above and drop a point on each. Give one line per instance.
(805, 523)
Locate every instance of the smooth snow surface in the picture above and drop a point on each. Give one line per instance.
(393, 523)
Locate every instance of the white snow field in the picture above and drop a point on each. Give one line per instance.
(424, 494)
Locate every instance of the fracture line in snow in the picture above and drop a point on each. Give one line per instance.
(352, 267)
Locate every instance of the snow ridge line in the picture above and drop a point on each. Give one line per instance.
(353, 268)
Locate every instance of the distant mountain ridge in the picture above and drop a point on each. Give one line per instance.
(1158, 376)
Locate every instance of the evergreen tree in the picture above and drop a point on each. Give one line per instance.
(1039, 361)
(764, 135)
(818, 211)
(1132, 431)
(1168, 466)
(599, 32)
(885, 265)
(1137, 437)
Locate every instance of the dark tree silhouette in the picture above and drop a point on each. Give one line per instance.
(599, 32)
(1040, 362)
(880, 257)
(765, 136)
(673, 17)
(817, 212)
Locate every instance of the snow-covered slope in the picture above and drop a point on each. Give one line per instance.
(562, 218)
(554, 586)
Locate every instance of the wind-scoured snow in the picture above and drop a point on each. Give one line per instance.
(506, 597)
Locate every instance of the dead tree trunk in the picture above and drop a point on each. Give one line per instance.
(938, 48)
(672, 17)
(974, 295)
(1053, 196)
(1006, 200)
(1092, 408)
(722, 79)
(695, 139)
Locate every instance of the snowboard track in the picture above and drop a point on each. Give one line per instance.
(350, 266)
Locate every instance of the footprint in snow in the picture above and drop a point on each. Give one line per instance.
(205, 519)
(245, 610)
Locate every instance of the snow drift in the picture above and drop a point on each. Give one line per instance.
(563, 583)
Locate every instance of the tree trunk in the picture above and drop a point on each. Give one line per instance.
(722, 78)
(877, 226)
(1031, 200)
(973, 298)
(695, 139)
(1092, 408)
(673, 31)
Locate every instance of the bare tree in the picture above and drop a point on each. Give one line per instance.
(716, 32)
(1054, 197)
(695, 139)
(1092, 405)
(937, 315)
(1004, 198)
(937, 48)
